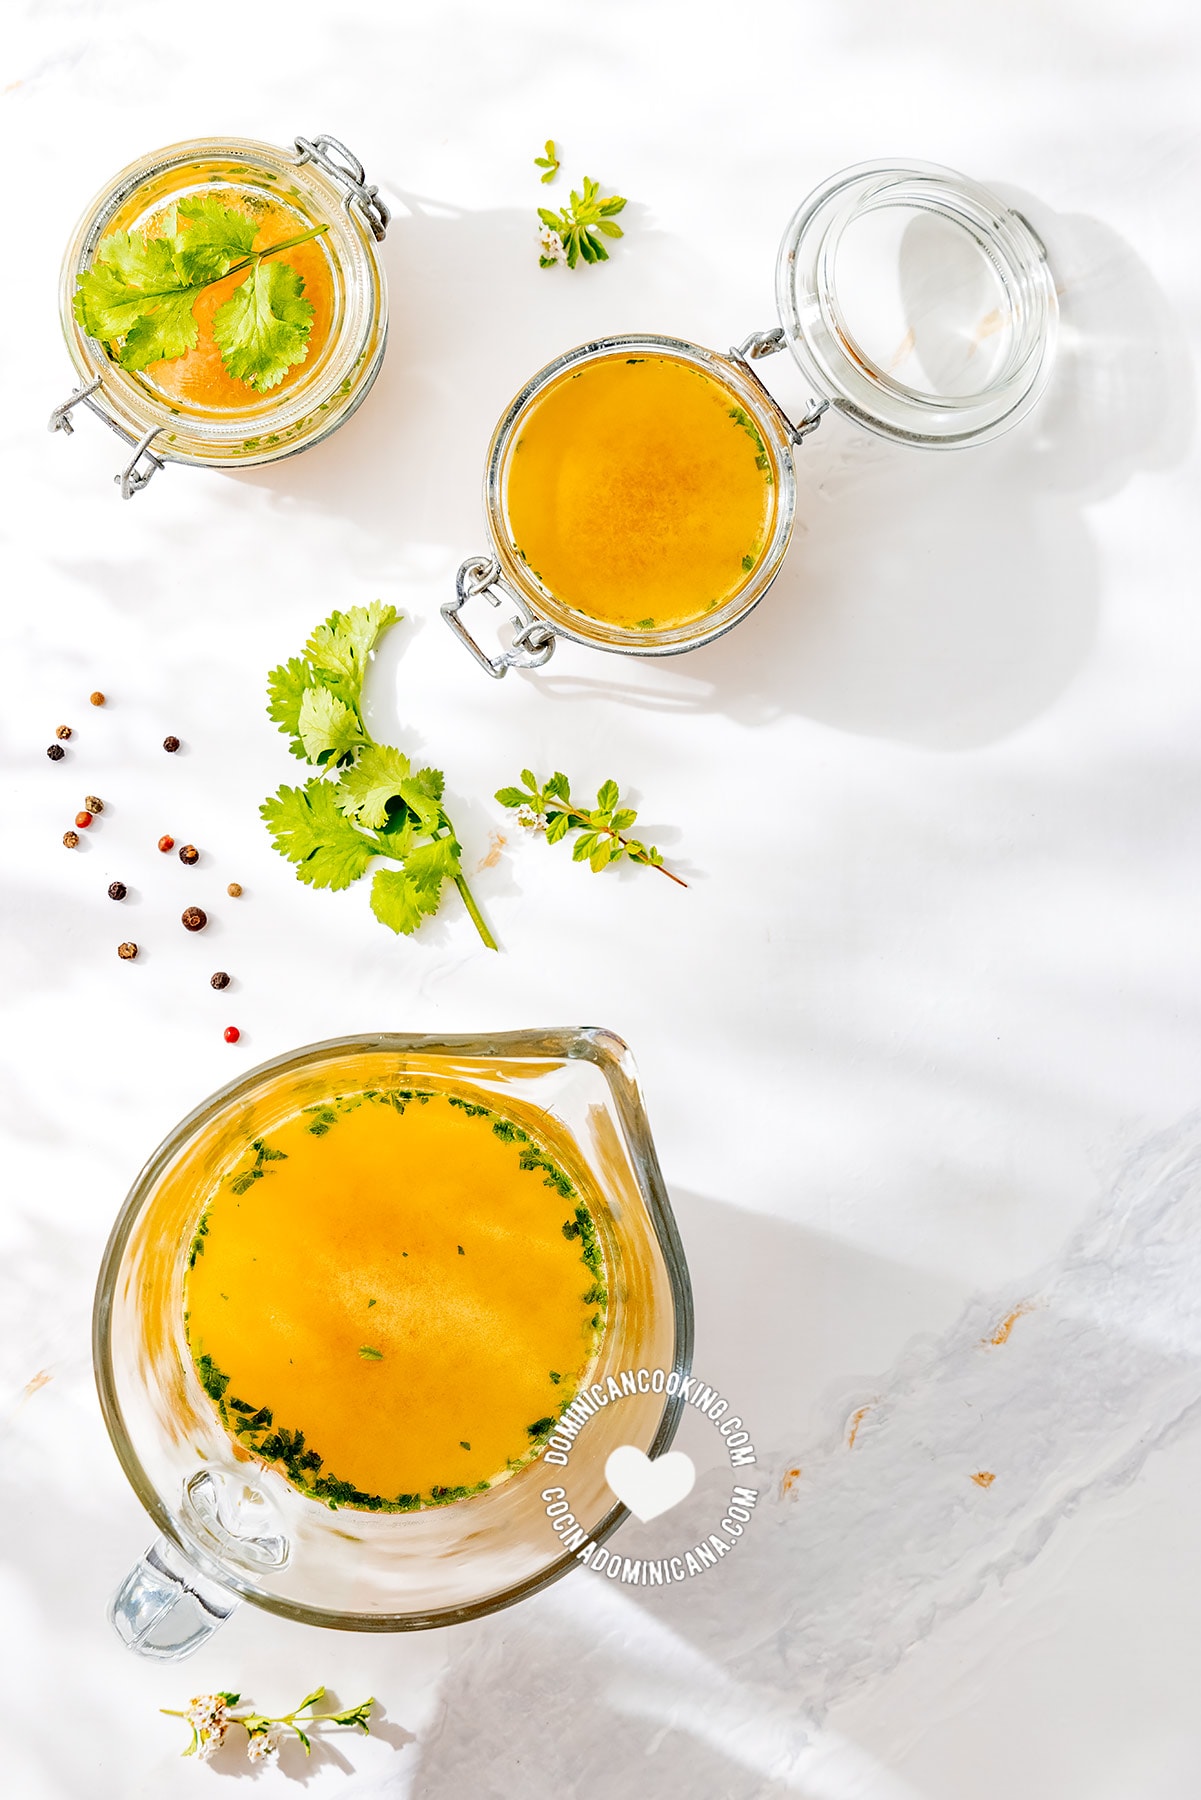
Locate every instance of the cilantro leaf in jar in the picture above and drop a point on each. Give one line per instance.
(139, 294)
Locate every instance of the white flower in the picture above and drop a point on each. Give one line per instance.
(208, 1713)
(551, 246)
(210, 1743)
(263, 1746)
(533, 821)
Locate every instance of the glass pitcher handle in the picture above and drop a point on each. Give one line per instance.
(166, 1608)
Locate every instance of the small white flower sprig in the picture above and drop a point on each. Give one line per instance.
(604, 828)
(212, 1715)
(575, 234)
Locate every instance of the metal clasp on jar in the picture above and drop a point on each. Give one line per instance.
(343, 167)
(766, 343)
(533, 642)
(141, 466)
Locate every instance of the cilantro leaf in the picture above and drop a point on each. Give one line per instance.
(129, 272)
(401, 897)
(432, 864)
(217, 236)
(400, 902)
(341, 646)
(382, 775)
(328, 728)
(422, 794)
(168, 331)
(286, 688)
(263, 328)
(142, 289)
(315, 699)
(400, 834)
(135, 291)
(377, 777)
(139, 294)
(308, 829)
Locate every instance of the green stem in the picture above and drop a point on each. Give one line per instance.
(469, 900)
(477, 917)
(581, 822)
(256, 256)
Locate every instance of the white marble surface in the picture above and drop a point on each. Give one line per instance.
(935, 979)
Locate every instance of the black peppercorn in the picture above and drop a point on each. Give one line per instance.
(170, 743)
(55, 752)
(127, 952)
(189, 854)
(117, 890)
(219, 980)
(193, 919)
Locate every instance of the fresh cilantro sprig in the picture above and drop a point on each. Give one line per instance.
(549, 162)
(578, 229)
(140, 292)
(333, 828)
(602, 828)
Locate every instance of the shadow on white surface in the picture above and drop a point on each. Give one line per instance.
(939, 599)
(471, 318)
(946, 599)
(977, 1447)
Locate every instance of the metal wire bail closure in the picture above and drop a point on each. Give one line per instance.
(533, 642)
(343, 166)
(134, 475)
(766, 343)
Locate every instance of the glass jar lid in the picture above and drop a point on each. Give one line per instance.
(918, 303)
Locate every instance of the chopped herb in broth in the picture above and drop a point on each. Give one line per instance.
(642, 492)
(501, 1278)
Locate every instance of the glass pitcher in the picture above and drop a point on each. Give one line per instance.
(233, 1527)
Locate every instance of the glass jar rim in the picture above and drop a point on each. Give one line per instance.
(569, 623)
(285, 422)
(813, 314)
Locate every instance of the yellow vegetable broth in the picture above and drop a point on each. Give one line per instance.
(410, 1282)
(639, 492)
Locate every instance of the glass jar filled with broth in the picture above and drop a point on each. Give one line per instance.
(224, 302)
(641, 491)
